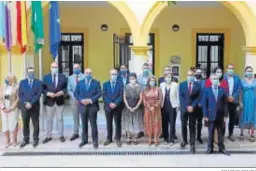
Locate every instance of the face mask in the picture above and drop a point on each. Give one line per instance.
(88, 76)
(146, 72)
(215, 83)
(55, 70)
(31, 75)
(77, 71)
(113, 78)
(190, 79)
(152, 83)
(123, 71)
(198, 76)
(168, 79)
(219, 74)
(230, 71)
(6, 82)
(133, 82)
(249, 74)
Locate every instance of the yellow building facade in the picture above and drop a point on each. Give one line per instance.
(235, 20)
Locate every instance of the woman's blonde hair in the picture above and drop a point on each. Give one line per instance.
(12, 78)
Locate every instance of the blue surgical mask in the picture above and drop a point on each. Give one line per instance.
(31, 75)
(123, 71)
(6, 82)
(77, 71)
(249, 74)
(168, 79)
(146, 72)
(113, 78)
(190, 79)
(152, 83)
(54, 70)
(215, 82)
(230, 72)
(88, 76)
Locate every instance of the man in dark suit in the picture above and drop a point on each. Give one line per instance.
(55, 87)
(215, 113)
(234, 85)
(189, 97)
(199, 110)
(113, 97)
(87, 93)
(30, 90)
(167, 70)
(123, 75)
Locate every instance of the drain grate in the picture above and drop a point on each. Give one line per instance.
(113, 153)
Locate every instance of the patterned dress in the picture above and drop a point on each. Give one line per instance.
(249, 103)
(132, 121)
(152, 119)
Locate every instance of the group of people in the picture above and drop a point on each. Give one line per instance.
(138, 104)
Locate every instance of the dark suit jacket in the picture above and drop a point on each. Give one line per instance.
(189, 100)
(30, 95)
(162, 80)
(236, 88)
(212, 109)
(120, 78)
(110, 96)
(48, 86)
(93, 93)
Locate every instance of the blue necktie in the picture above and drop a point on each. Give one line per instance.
(87, 85)
(30, 84)
(216, 93)
(112, 86)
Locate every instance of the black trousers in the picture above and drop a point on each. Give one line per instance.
(232, 117)
(90, 114)
(115, 114)
(199, 121)
(32, 113)
(191, 117)
(219, 125)
(169, 121)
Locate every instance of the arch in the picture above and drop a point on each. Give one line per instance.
(239, 8)
(124, 10)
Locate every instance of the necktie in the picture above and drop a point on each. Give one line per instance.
(216, 93)
(87, 85)
(190, 88)
(112, 86)
(77, 79)
(30, 84)
(54, 80)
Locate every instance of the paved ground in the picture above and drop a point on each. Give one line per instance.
(200, 160)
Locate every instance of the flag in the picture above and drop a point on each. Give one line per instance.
(54, 28)
(22, 36)
(37, 24)
(8, 29)
(2, 19)
(13, 12)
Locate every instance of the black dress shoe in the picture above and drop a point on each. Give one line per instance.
(23, 144)
(95, 146)
(107, 142)
(231, 138)
(209, 151)
(200, 141)
(175, 137)
(193, 149)
(83, 143)
(183, 144)
(119, 143)
(62, 139)
(46, 140)
(140, 134)
(224, 152)
(35, 144)
(75, 136)
(161, 136)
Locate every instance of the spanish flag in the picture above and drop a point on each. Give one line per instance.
(22, 36)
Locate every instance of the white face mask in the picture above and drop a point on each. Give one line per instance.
(54, 70)
(133, 82)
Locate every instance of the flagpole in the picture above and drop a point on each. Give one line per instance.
(25, 64)
(41, 78)
(9, 61)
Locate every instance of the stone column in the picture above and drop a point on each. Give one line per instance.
(250, 56)
(138, 58)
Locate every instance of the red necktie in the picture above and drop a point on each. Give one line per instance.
(76, 79)
(190, 88)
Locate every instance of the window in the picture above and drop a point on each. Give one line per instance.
(71, 51)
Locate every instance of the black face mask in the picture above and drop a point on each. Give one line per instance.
(198, 76)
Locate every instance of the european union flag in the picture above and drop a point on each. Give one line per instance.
(2, 20)
(54, 28)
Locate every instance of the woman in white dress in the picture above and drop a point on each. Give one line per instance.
(9, 109)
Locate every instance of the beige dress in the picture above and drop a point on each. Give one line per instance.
(9, 120)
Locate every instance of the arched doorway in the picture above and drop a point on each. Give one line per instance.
(244, 19)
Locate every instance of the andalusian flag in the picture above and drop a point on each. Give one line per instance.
(22, 36)
(37, 24)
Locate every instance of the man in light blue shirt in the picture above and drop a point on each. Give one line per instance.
(72, 82)
(146, 73)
